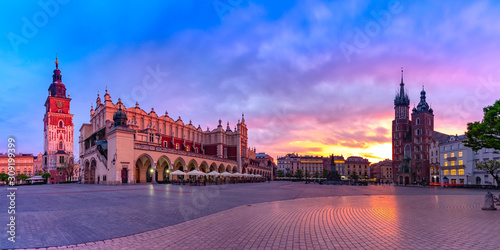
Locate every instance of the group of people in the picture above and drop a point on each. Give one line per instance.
(204, 181)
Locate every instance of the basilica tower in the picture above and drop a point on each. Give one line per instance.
(58, 129)
(401, 127)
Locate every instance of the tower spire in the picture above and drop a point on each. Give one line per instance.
(402, 76)
(57, 63)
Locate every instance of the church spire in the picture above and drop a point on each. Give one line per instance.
(401, 98)
(57, 88)
(402, 76)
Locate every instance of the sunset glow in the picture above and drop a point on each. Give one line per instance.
(286, 65)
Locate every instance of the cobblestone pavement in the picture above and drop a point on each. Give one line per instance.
(261, 215)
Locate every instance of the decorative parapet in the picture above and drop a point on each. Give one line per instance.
(180, 152)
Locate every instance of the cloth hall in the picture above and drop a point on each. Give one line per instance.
(128, 145)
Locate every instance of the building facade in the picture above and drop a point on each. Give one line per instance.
(24, 164)
(266, 164)
(382, 171)
(309, 165)
(458, 163)
(411, 138)
(358, 165)
(128, 145)
(57, 129)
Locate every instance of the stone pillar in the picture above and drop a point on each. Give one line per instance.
(153, 180)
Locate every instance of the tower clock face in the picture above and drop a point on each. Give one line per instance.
(59, 104)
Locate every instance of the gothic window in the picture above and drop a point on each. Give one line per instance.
(61, 124)
(418, 121)
(61, 145)
(407, 152)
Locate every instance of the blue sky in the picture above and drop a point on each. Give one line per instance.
(305, 78)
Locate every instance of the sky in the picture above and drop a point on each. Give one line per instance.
(312, 77)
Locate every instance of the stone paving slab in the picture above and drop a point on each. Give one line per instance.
(374, 222)
(72, 214)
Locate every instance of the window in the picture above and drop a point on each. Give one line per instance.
(453, 172)
(61, 145)
(177, 146)
(61, 124)
(446, 172)
(452, 155)
(461, 172)
(460, 162)
(460, 154)
(187, 148)
(453, 163)
(165, 144)
(445, 156)
(446, 164)
(61, 159)
(418, 121)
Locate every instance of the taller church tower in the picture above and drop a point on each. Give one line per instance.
(401, 129)
(57, 129)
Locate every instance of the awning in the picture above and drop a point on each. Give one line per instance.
(196, 173)
(214, 173)
(178, 172)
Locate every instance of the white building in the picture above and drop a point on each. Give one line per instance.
(458, 163)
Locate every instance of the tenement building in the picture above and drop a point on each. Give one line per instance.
(457, 163)
(129, 145)
(308, 164)
(382, 171)
(411, 138)
(57, 129)
(359, 166)
(24, 164)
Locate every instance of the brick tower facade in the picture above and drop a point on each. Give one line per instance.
(58, 129)
(411, 138)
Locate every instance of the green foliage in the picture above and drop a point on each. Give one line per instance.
(485, 134)
(288, 174)
(316, 175)
(491, 167)
(46, 175)
(22, 177)
(354, 176)
(4, 177)
(325, 173)
(299, 174)
(280, 173)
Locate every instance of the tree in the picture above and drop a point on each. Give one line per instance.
(280, 173)
(486, 134)
(299, 174)
(21, 177)
(354, 176)
(316, 174)
(4, 177)
(39, 172)
(491, 167)
(46, 176)
(325, 173)
(288, 174)
(68, 168)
